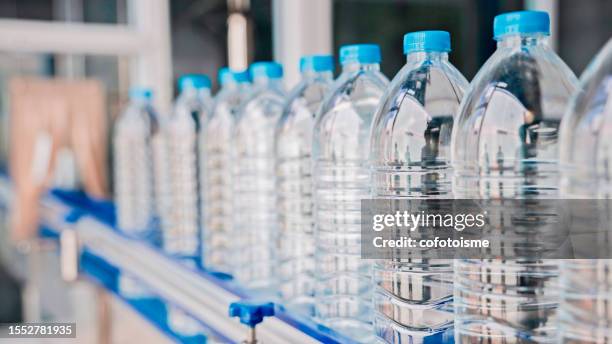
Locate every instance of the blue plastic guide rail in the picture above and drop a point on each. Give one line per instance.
(106, 253)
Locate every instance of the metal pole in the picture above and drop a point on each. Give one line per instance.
(552, 7)
(252, 336)
(105, 322)
(300, 27)
(238, 47)
(153, 66)
(71, 66)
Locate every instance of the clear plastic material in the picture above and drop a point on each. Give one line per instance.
(255, 227)
(410, 159)
(181, 237)
(505, 147)
(294, 190)
(586, 152)
(218, 166)
(341, 179)
(134, 132)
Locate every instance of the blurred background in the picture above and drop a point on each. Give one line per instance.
(198, 33)
(58, 49)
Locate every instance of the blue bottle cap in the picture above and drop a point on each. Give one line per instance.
(317, 63)
(197, 81)
(437, 41)
(360, 53)
(227, 75)
(521, 22)
(141, 93)
(251, 312)
(270, 70)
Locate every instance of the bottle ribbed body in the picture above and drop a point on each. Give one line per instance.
(294, 192)
(161, 174)
(218, 176)
(410, 160)
(505, 147)
(341, 179)
(182, 235)
(586, 151)
(134, 133)
(255, 227)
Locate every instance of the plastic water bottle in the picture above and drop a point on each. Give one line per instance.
(341, 179)
(182, 236)
(255, 227)
(294, 184)
(133, 163)
(410, 159)
(505, 147)
(586, 148)
(134, 133)
(218, 161)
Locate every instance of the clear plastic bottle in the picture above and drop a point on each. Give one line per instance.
(505, 147)
(181, 238)
(410, 159)
(341, 178)
(255, 228)
(218, 143)
(586, 152)
(134, 132)
(293, 172)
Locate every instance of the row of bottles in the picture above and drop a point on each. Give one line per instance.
(267, 186)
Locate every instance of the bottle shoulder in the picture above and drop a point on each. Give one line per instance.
(185, 108)
(533, 76)
(138, 117)
(413, 123)
(226, 104)
(228, 98)
(357, 89)
(587, 124)
(518, 87)
(303, 102)
(595, 89)
(266, 102)
(424, 91)
(509, 121)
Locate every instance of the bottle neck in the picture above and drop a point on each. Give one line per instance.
(419, 56)
(189, 92)
(140, 102)
(313, 75)
(229, 85)
(356, 66)
(203, 93)
(265, 82)
(195, 93)
(523, 40)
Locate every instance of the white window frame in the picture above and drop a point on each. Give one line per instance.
(145, 40)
